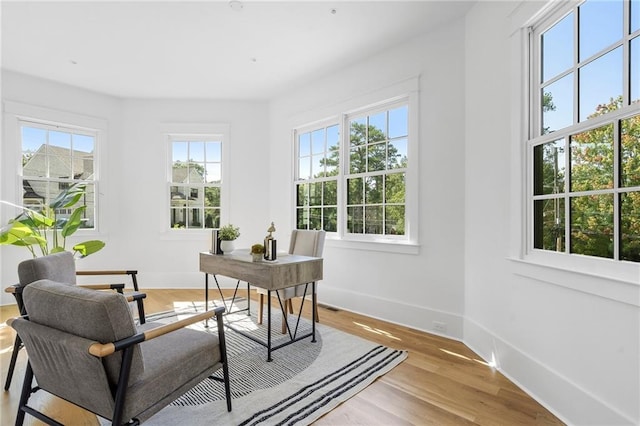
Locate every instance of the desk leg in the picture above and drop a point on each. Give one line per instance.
(248, 301)
(269, 326)
(313, 311)
(206, 297)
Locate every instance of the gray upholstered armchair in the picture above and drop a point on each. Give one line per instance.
(61, 267)
(84, 347)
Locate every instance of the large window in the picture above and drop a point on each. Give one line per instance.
(195, 181)
(584, 146)
(351, 174)
(54, 157)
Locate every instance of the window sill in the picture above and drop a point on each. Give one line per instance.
(623, 287)
(382, 246)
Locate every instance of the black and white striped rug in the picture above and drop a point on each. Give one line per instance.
(304, 381)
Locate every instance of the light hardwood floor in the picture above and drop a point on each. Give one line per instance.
(442, 382)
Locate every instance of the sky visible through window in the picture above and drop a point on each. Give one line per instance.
(601, 80)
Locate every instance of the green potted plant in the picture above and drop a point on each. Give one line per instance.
(228, 234)
(45, 231)
(257, 251)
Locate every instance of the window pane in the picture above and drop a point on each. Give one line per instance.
(304, 144)
(83, 143)
(316, 166)
(212, 218)
(304, 168)
(630, 226)
(373, 220)
(377, 127)
(196, 172)
(557, 48)
(33, 140)
(592, 225)
(333, 137)
(394, 220)
(373, 189)
(214, 172)
(397, 154)
(557, 105)
(358, 132)
(177, 217)
(600, 25)
(630, 151)
(315, 218)
(549, 168)
(330, 193)
(548, 232)
(60, 162)
(635, 15)
(196, 151)
(356, 191)
(317, 141)
(354, 219)
(394, 188)
(315, 194)
(600, 81)
(330, 219)
(635, 68)
(358, 160)
(302, 218)
(376, 157)
(303, 195)
(398, 122)
(212, 197)
(195, 218)
(592, 159)
(59, 139)
(213, 151)
(179, 152)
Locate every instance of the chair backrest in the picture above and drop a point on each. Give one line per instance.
(59, 267)
(307, 242)
(94, 315)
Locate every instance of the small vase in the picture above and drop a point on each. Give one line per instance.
(227, 246)
(256, 257)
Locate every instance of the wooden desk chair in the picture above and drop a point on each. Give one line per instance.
(98, 359)
(61, 267)
(304, 243)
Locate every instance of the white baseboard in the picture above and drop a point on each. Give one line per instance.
(571, 404)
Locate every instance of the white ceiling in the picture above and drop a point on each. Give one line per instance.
(205, 49)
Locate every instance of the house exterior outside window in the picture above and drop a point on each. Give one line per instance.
(54, 157)
(195, 181)
(584, 142)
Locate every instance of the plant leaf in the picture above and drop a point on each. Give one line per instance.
(57, 249)
(73, 222)
(89, 247)
(68, 198)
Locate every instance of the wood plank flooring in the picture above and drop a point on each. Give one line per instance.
(442, 382)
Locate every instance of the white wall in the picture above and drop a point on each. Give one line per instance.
(576, 352)
(411, 289)
(134, 179)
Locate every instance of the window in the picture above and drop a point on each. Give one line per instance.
(317, 178)
(195, 181)
(54, 157)
(352, 174)
(584, 146)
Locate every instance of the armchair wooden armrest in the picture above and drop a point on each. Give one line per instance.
(104, 349)
(119, 287)
(131, 272)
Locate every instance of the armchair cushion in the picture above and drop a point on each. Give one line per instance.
(95, 315)
(60, 267)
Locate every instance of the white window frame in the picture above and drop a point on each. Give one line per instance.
(613, 279)
(407, 92)
(171, 132)
(16, 113)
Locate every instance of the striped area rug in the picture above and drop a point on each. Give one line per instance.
(304, 381)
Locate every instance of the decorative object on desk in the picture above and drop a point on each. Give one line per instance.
(270, 244)
(215, 242)
(228, 234)
(46, 230)
(257, 250)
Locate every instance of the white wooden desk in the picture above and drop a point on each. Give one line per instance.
(287, 271)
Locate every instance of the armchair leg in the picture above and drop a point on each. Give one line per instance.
(17, 345)
(24, 396)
